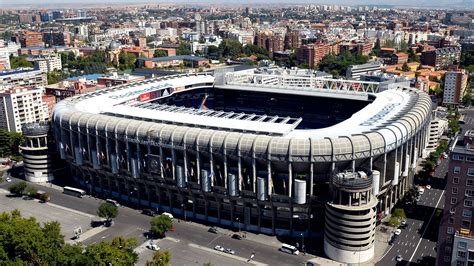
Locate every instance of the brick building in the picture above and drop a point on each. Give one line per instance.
(29, 39)
(441, 58)
(292, 40)
(455, 238)
(270, 41)
(313, 53)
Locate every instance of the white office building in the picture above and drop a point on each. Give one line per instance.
(47, 63)
(20, 106)
(23, 77)
(355, 71)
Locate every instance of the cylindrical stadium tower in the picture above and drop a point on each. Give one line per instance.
(36, 158)
(350, 218)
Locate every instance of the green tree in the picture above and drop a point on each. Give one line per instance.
(119, 252)
(18, 188)
(108, 211)
(30, 191)
(160, 53)
(160, 225)
(44, 197)
(9, 143)
(160, 258)
(405, 67)
(127, 61)
(230, 48)
(19, 62)
(183, 50)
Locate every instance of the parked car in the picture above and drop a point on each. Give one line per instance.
(397, 232)
(8, 179)
(428, 187)
(153, 247)
(398, 258)
(212, 230)
(148, 212)
(237, 236)
(168, 214)
(230, 251)
(219, 248)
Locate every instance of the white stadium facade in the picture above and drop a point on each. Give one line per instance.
(275, 154)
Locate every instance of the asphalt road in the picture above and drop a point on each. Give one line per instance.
(131, 223)
(416, 244)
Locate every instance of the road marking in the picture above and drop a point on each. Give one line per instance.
(424, 231)
(227, 255)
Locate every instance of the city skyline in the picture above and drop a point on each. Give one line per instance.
(464, 4)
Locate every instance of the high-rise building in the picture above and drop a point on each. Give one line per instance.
(56, 38)
(19, 106)
(292, 40)
(23, 77)
(270, 41)
(456, 236)
(455, 83)
(312, 54)
(29, 39)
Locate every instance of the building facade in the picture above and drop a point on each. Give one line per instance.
(355, 71)
(455, 84)
(441, 58)
(47, 63)
(20, 106)
(457, 222)
(23, 77)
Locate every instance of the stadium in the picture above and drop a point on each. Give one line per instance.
(273, 153)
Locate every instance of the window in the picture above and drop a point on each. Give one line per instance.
(460, 263)
(447, 258)
(454, 200)
(450, 230)
(457, 157)
(462, 245)
(454, 190)
(469, 158)
(461, 254)
(466, 213)
(467, 203)
(449, 239)
(469, 193)
(471, 255)
(465, 224)
(457, 169)
(470, 171)
(455, 180)
(470, 182)
(451, 220)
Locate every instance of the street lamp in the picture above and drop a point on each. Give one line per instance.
(238, 220)
(302, 242)
(184, 210)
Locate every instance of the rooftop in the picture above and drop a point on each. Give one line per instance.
(177, 57)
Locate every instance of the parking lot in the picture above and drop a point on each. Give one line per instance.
(185, 253)
(69, 220)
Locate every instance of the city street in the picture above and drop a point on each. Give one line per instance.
(417, 243)
(131, 223)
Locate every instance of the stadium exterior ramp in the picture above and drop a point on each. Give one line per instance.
(268, 176)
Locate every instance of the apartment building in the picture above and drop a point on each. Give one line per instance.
(29, 39)
(455, 84)
(47, 63)
(270, 41)
(441, 58)
(19, 106)
(355, 71)
(312, 54)
(438, 126)
(23, 77)
(455, 237)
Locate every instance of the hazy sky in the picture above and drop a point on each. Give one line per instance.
(464, 3)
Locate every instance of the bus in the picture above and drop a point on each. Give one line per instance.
(289, 249)
(74, 192)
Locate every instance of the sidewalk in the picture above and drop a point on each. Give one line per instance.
(88, 234)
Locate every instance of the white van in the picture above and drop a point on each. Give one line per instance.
(168, 214)
(114, 202)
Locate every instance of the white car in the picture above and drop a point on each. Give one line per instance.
(398, 258)
(230, 251)
(168, 214)
(153, 247)
(219, 248)
(397, 232)
(8, 179)
(428, 187)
